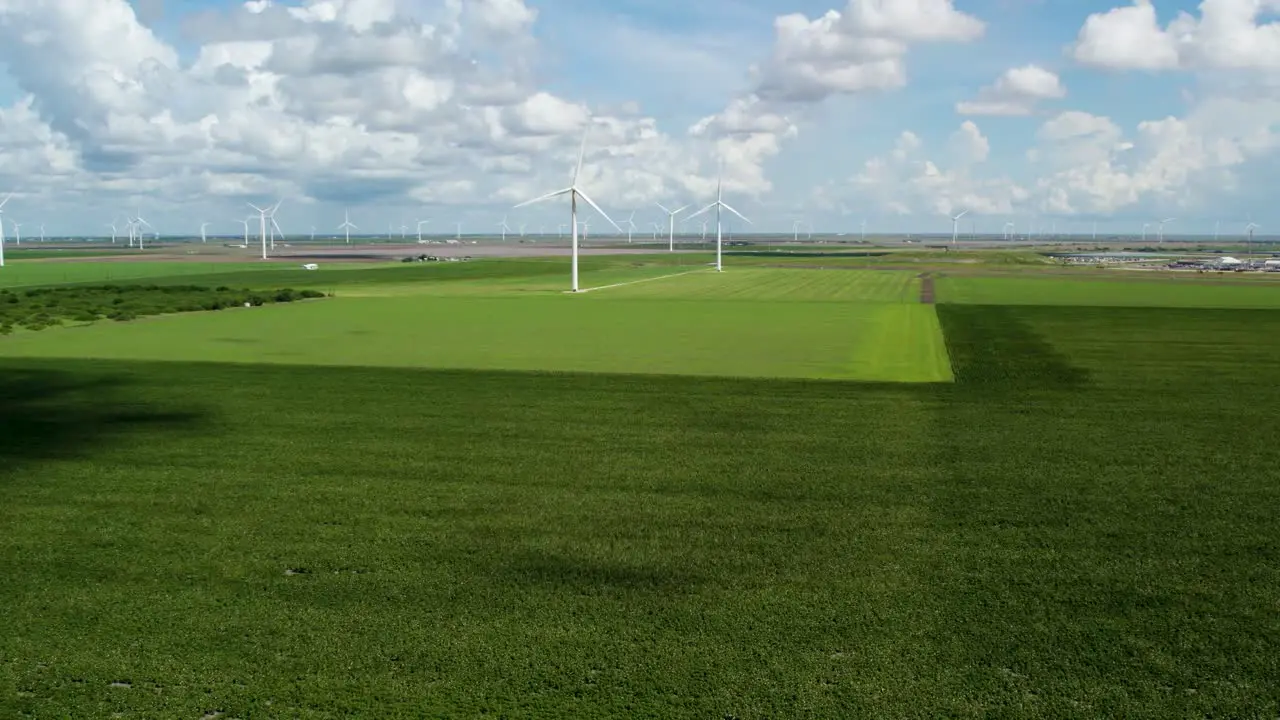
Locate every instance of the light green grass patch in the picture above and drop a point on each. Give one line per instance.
(1184, 291)
(591, 333)
(739, 283)
(34, 273)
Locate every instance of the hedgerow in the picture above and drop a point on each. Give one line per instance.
(39, 308)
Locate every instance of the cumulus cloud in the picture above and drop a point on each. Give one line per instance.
(1016, 92)
(1226, 35)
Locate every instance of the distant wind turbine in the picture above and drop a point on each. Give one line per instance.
(504, 228)
(1162, 223)
(262, 226)
(245, 222)
(631, 225)
(795, 230)
(955, 225)
(671, 224)
(420, 224)
(718, 205)
(1249, 229)
(139, 222)
(203, 238)
(2, 204)
(574, 192)
(110, 225)
(1144, 231)
(347, 225)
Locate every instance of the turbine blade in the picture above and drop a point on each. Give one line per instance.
(5, 200)
(709, 207)
(255, 207)
(680, 209)
(664, 207)
(548, 196)
(582, 152)
(735, 212)
(597, 207)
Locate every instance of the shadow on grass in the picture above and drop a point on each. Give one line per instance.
(994, 346)
(48, 414)
(587, 577)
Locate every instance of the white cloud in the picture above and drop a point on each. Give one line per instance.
(1227, 35)
(1016, 92)
(906, 182)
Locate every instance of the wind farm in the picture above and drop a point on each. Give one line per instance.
(510, 359)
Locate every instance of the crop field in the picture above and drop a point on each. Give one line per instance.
(1079, 522)
(1186, 290)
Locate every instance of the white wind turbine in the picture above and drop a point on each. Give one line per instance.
(17, 233)
(574, 192)
(1161, 230)
(347, 225)
(313, 233)
(262, 225)
(671, 224)
(504, 228)
(955, 225)
(718, 205)
(41, 232)
(1144, 231)
(795, 230)
(1249, 229)
(1008, 230)
(139, 222)
(114, 232)
(203, 238)
(420, 224)
(2, 204)
(245, 222)
(522, 227)
(631, 225)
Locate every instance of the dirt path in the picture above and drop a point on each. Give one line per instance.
(926, 288)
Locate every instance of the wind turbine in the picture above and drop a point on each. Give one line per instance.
(346, 225)
(704, 229)
(795, 230)
(313, 233)
(262, 226)
(574, 192)
(1161, 231)
(41, 232)
(955, 225)
(17, 233)
(522, 227)
(245, 222)
(110, 225)
(1144, 231)
(718, 205)
(671, 224)
(631, 225)
(1008, 231)
(203, 237)
(504, 227)
(1249, 229)
(864, 229)
(420, 224)
(139, 220)
(2, 204)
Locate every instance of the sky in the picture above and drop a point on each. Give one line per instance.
(897, 113)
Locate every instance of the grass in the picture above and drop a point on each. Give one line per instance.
(32, 274)
(1081, 525)
(319, 542)
(584, 334)
(1186, 290)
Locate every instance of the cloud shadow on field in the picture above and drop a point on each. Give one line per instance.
(586, 576)
(49, 415)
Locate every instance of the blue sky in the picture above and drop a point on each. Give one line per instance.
(671, 63)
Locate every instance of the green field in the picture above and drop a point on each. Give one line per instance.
(1186, 290)
(1083, 524)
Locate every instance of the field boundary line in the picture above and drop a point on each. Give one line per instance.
(633, 282)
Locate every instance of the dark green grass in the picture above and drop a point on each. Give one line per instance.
(609, 546)
(39, 308)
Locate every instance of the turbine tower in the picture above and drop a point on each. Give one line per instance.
(420, 224)
(671, 224)
(1161, 230)
(504, 228)
(347, 225)
(574, 192)
(2, 204)
(203, 238)
(718, 205)
(262, 226)
(955, 225)
(631, 225)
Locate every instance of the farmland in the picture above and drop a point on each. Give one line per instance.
(680, 515)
